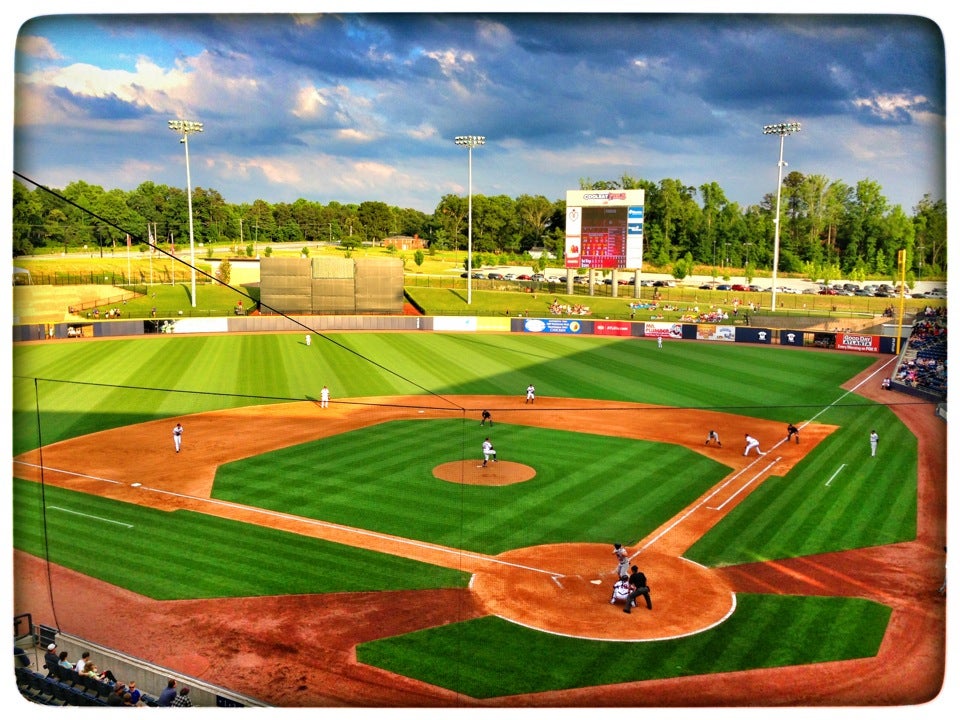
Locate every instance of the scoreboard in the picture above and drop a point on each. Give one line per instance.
(604, 229)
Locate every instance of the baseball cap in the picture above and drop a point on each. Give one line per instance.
(51, 646)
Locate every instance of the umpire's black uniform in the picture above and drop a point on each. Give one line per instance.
(639, 583)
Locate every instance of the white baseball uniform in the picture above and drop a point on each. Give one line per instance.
(752, 443)
(177, 435)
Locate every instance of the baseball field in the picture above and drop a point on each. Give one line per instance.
(357, 555)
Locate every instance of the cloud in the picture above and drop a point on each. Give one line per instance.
(37, 47)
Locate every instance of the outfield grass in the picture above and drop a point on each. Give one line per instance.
(66, 389)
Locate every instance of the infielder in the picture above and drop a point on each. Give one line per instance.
(792, 432)
(177, 435)
(531, 394)
(488, 452)
(485, 418)
(714, 436)
(623, 562)
(324, 395)
(752, 443)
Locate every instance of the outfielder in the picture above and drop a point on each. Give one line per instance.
(488, 452)
(324, 395)
(874, 439)
(177, 435)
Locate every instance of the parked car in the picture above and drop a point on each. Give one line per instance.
(737, 287)
(706, 286)
(478, 276)
(494, 276)
(756, 288)
(646, 283)
(663, 283)
(724, 287)
(538, 277)
(829, 291)
(523, 277)
(863, 292)
(509, 276)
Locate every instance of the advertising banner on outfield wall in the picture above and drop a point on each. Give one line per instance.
(446, 323)
(724, 333)
(858, 343)
(611, 327)
(556, 325)
(791, 337)
(753, 335)
(663, 329)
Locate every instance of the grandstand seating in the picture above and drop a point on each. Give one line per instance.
(923, 363)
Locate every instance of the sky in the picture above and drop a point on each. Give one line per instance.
(365, 104)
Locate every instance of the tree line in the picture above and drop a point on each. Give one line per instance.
(827, 228)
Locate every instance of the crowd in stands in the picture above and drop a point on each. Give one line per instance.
(558, 308)
(924, 364)
(84, 684)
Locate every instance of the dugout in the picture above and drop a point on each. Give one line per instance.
(331, 286)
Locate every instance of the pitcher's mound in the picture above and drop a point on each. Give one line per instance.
(471, 472)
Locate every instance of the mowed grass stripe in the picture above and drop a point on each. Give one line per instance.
(186, 555)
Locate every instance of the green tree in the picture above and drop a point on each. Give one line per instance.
(223, 271)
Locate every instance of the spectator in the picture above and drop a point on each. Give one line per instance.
(50, 658)
(64, 663)
(183, 699)
(168, 695)
(86, 667)
(115, 699)
(135, 694)
(82, 662)
(22, 659)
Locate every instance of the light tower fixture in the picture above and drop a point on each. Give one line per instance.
(470, 142)
(782, 129)
(184, 128)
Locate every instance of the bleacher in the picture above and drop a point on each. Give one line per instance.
(922, 366)
(64, 687)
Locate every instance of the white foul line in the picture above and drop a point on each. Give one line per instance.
(835, 474)
(318, 523)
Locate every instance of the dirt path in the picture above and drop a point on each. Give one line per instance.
(228, 647)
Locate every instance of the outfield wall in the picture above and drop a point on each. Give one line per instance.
(704, 332)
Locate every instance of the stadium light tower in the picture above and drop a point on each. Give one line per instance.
(781, 129)
(184, 128)
(470, 142)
